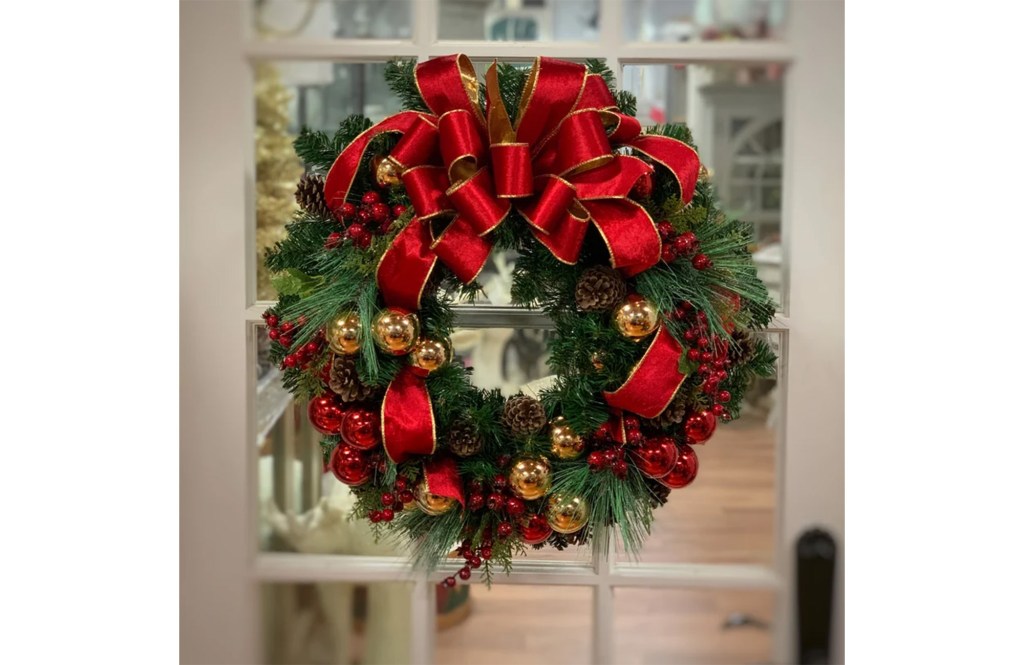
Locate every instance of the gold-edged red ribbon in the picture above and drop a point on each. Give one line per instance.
(653, 381)
(442, 477)
(407, 419)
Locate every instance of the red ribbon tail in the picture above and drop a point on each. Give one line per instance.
(405, 266)
(442, 477)
(680, 159)
(629, 232)
(407, 419)
(654, 381)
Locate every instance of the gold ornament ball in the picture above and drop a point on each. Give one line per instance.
(636, 318)
(567, 514)
(396, 333)
(343, 334)
(432, 504)
(565, 443)
(530, 478)
(387, 172)
(430, 354)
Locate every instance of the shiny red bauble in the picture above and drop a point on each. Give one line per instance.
(361, 429)
(699, 427)
(684, 471)
(349, 465)
(656, 457)
(326, 414)
(534, 530)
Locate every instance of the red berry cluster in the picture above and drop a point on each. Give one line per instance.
(675, 245)
(474, 559)
(283, 332)
(710, 352)
(372, 217)
(497, 497)
(608, 453)
(392, 501)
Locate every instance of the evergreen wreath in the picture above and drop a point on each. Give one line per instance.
(656, 305)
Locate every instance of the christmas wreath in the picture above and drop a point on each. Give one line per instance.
(619, 239)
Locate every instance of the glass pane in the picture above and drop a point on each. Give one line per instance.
(735, 113)
(705, 626)
(289, 96)
(505, 358)
(330, 19)
(703, 20)
(336, 622)
(519, 624)
(728, 514)
(519, 21)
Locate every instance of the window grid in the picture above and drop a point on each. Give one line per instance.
(603, 575)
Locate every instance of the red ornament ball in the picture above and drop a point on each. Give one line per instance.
(699, 427)
(349, 465)
(534, 530)
(684, 471)
(325, 412)
(361, 429)
(656, 457)
(371, 197)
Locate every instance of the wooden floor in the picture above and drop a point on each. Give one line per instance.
(726, 516)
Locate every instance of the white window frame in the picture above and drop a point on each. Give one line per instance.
(220, 564)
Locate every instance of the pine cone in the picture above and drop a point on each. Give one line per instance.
(310, 196)
(523, 415)
(464, 440)
(345, 380)
(742, 347)
(659, 493)
(673, 414)
(599, 289)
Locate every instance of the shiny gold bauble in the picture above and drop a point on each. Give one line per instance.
(430, 354)
(566, 513)
(597, 360)
(530, 478)
(343, 334)
(635, 318)
(565, 443)
(396, 333)
(387, 172)
(431, 504)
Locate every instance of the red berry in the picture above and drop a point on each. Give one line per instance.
(387, 498)
(631, 422)
(287, 326)
(724, 396)
(634, 437)
(485, 553)
(476, 501)
(706, 356)
(406, 496)
(356, 231)
(687, 305)
(595, 460)
(364, 217)
(398, 210)
(333, 240)
(380, 212)
(693, 355)
(311, 348)
(679, 314)
(272, 320)
(476, 562)
(603, 432)
(718, 409)
(401, 484)
(503, 460)
(374, 516)
(495, 501)
(449, 582)
(620, 469)
(347, 210)
(371, 197)
(668, 253)
(398, 506)
(290, 361)
(610, 456)
(690, 335)
(274, 334)
(387, 514)
(704, 369)
(682, 244)
(701, 262)
(718, 364)
(665, 229)
(504, 529)
(499, 482)
(465, 573)
(514, 506)
(285, 340)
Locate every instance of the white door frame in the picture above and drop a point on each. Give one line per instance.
(220, 567)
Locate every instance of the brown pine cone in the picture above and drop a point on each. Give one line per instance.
(599, 289)
(523, 415)
(310, 196)
(659, 493)
(345, 380)
(464, 440)
(673, 414)
(742, 347)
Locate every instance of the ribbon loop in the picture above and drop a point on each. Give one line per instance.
(475, 201)
(425, 186)
(449, 83)
(462, 147)
(513, 174)
(548, 210)
(417, 146)
(407, 418)
(462, 250)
